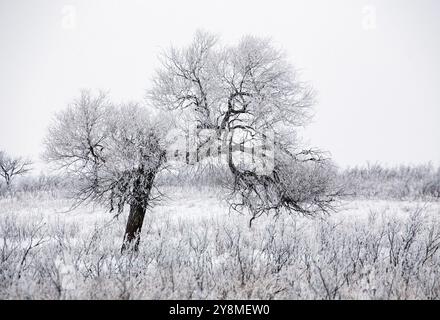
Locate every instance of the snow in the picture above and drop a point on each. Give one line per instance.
(192, 247)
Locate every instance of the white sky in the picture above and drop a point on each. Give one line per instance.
(379, 97)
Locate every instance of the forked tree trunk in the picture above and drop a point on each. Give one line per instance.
(137, 213)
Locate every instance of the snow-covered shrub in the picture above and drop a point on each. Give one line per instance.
(403, 182)
(386, 254)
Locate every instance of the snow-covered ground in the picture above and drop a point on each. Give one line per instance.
(192, 247)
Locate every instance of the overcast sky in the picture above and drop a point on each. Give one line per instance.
(375, 64)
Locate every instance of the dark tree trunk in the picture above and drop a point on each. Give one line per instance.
(8, 181)
(137, 212)
(134, 226)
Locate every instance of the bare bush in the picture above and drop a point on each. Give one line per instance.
(403, 182)
(12, 167)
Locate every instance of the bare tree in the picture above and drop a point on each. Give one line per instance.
(244, 93)
(11, 167)
(114, 152)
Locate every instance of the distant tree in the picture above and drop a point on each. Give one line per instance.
(243, 93)
(114, 152)
(11, 167)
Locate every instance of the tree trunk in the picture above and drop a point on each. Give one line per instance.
(137, 212)
(134, 227)
(8, 181)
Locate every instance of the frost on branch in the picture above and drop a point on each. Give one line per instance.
(114, 152)
(249, 90)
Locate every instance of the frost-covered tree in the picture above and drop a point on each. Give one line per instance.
(11, 167)
(113, 152)
(244, 93)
